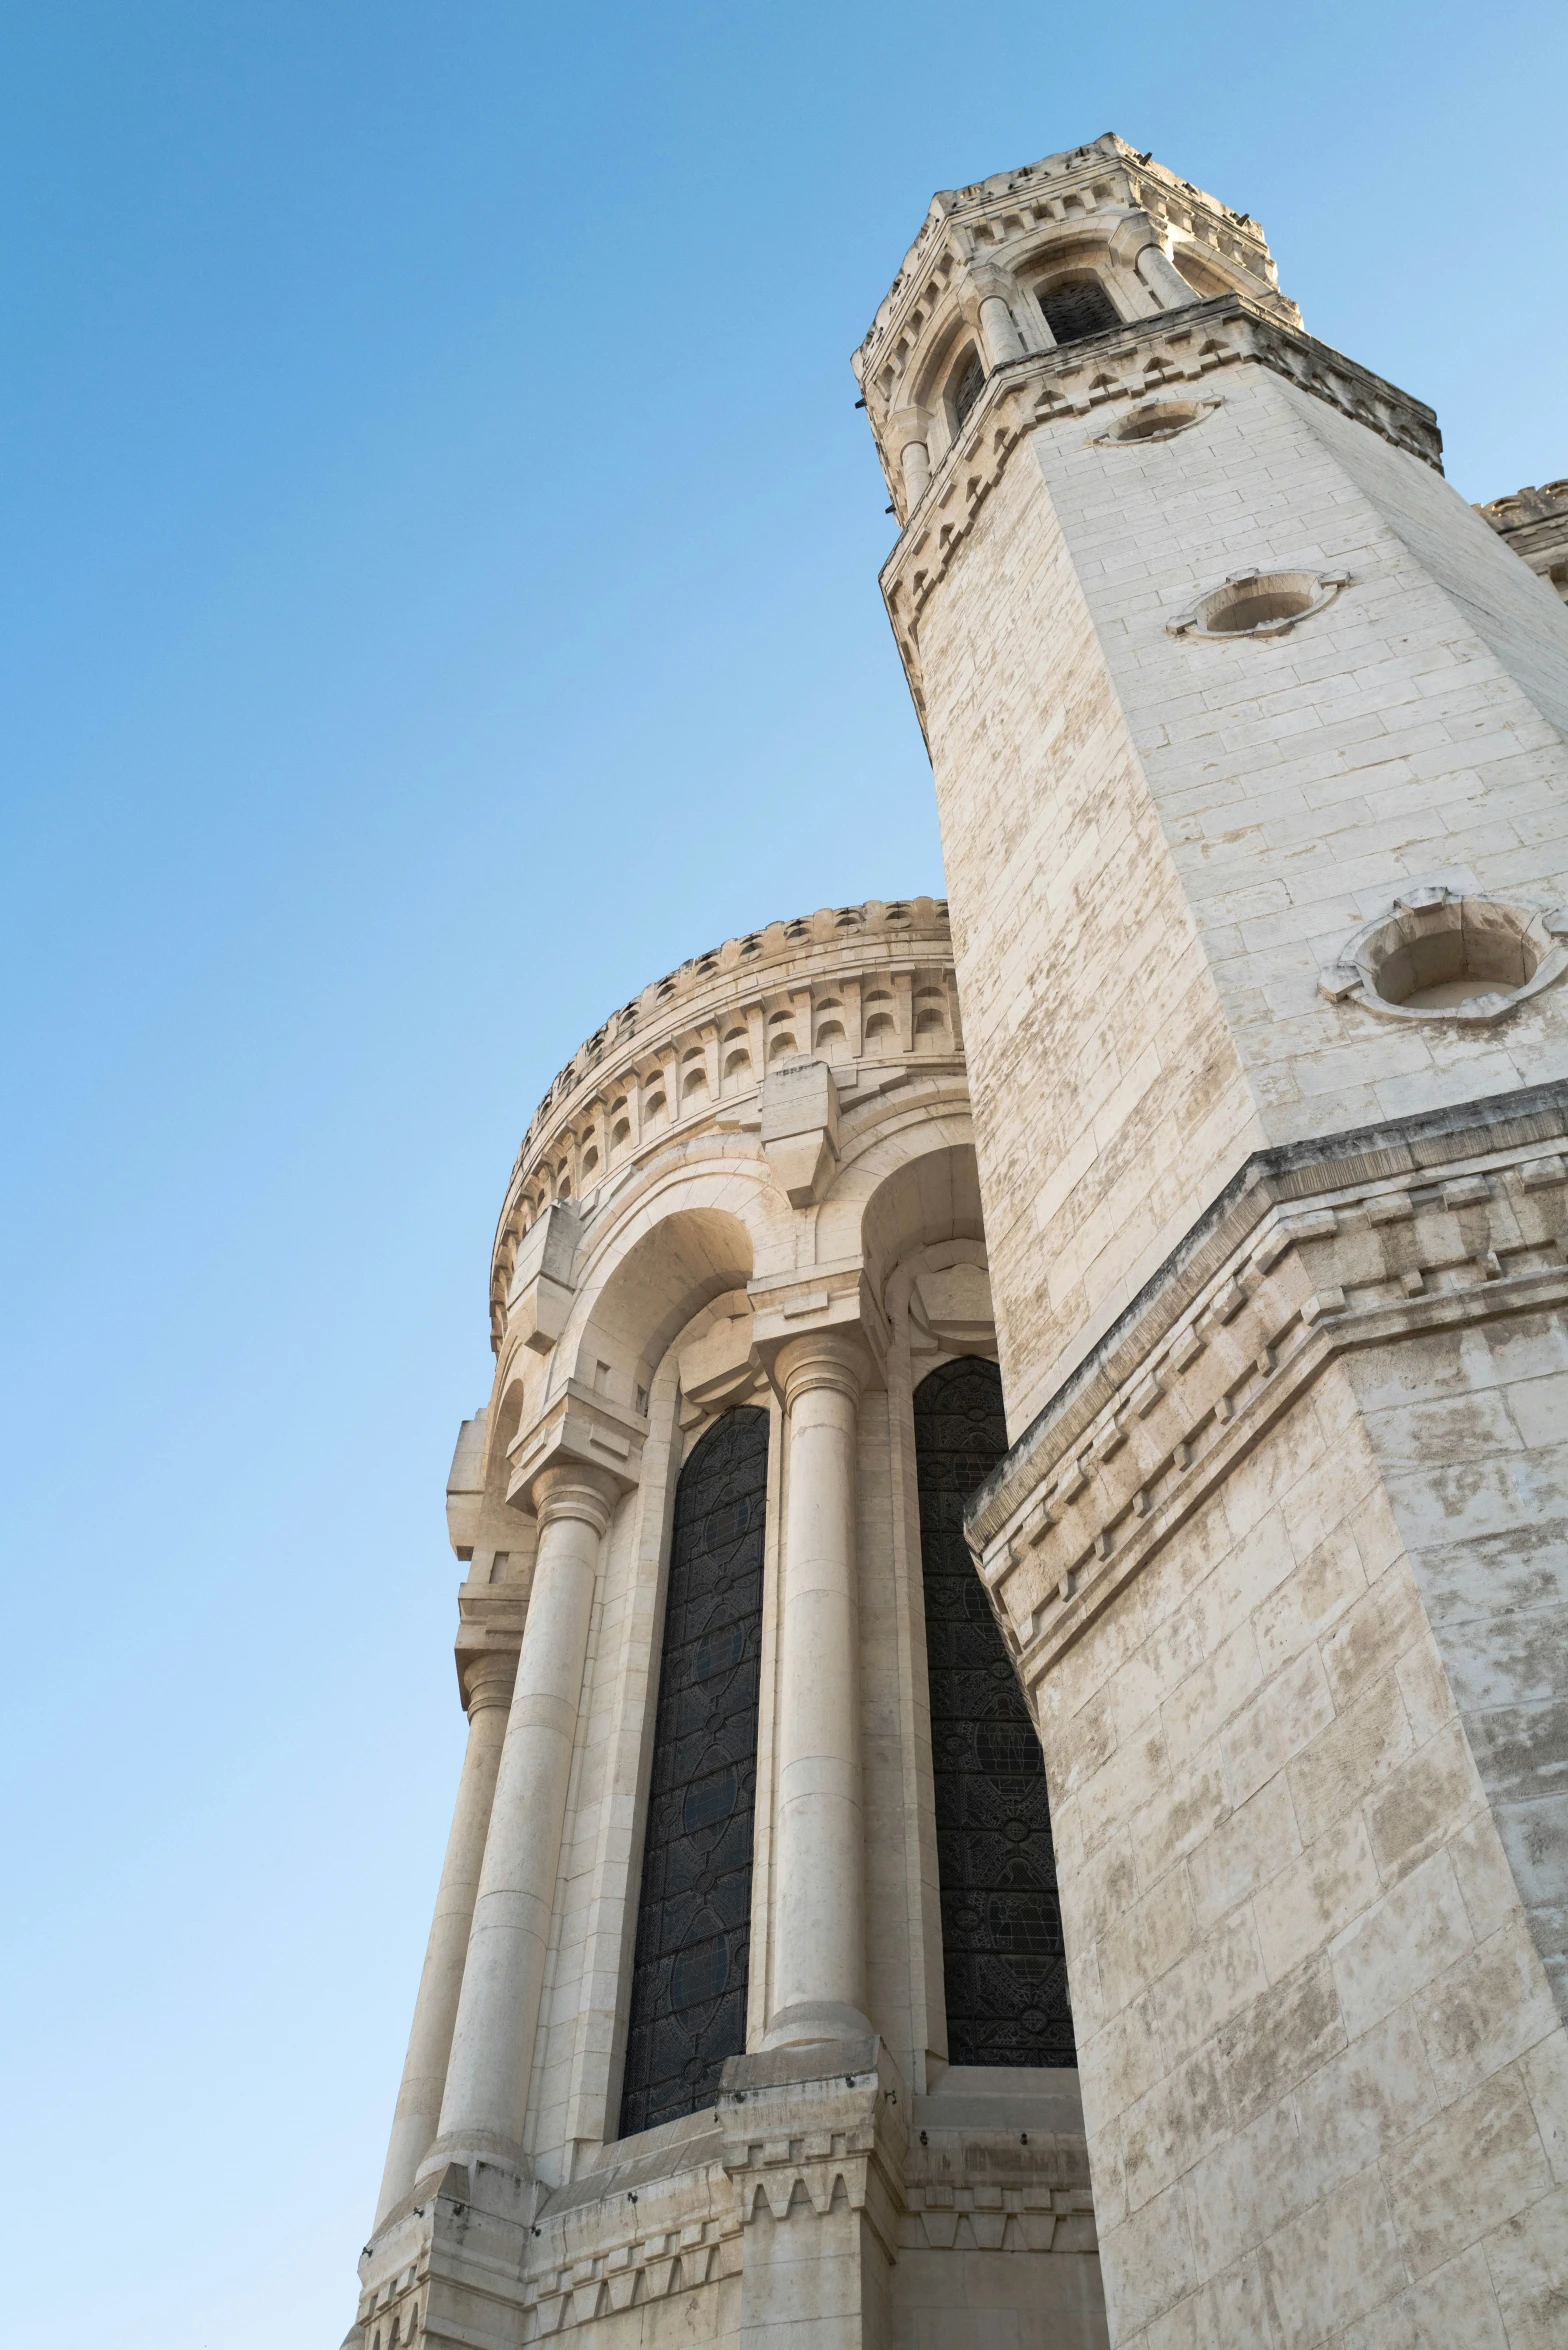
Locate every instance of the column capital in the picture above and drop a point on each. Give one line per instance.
(581, 1426)
(487, 1679)
(574, 1489)
(812, 1304)
(984, 281)
(839, 1359)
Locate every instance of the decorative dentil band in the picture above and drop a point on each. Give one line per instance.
(1430, 1226)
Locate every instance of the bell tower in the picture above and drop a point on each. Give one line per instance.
(1249, 745)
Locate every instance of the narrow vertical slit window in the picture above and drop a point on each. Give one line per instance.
(1004, 1966)
(689, 1970)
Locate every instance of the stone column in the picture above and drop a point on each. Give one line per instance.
(998, 332)
(819, 1920)
(487, 2079)
(917, 472)
(418, 2112)
(1163, 279)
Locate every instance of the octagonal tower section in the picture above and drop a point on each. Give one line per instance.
(1249, 746)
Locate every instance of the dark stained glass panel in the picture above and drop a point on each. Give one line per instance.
(688, 1996)
(970, 385)
(1003, 1962)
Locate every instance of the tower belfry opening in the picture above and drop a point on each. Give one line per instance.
(1017, 1550)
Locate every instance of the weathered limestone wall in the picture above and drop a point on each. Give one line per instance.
(1156, 844)
(1304, 781)
(1470, 1433)
(1110, 1092)
(1323, 2073)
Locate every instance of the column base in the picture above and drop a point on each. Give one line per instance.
(814, 2205)
(469, 2147)
(441, 2270)
(813, 2021)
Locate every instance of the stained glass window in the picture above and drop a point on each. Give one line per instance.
(688, 1995)
(1003, 1963)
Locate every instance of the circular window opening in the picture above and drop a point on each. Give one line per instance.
(1430, 958)
(1439, 955)
(1158, 418)
(1267, 600)
(1260, 603)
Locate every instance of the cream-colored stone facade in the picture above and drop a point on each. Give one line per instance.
(756, 1185)
(1247, 1159)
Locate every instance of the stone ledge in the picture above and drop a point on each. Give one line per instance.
(1425, 1224)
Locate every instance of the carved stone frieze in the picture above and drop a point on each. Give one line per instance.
(1424, 1225)
(868, 989)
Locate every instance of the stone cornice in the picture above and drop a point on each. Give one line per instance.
(1180, 348)
(771, 985)
(1361, 1240)
(708, 980)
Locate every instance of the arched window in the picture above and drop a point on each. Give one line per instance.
(1003, 1963)
(1081, 307)
(967, 389)
(688, 1997)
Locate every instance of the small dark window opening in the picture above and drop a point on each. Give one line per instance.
(688, 1994)
(968, 388)
(1073, 311)
(1003, 1960)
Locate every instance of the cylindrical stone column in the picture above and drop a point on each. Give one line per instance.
(917, 472)
(819, 1940)
(1163, 279)
(1000, 335)
(486, 2099)
(418, 2112)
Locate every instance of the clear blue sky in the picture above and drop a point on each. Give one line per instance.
(440, 595)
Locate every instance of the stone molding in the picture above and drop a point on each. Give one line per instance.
(616, 2254)
(582, 1430)
(1425, 908)
(996, 2191)
(828, 1309)
(793, 2128)
(744, 999)
(1185, 346)
(1421, 1225)
(489, 1633)
(1534, 522)
(489, 1678)
(1083, 189)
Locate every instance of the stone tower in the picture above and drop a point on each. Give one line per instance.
(1249, 745)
